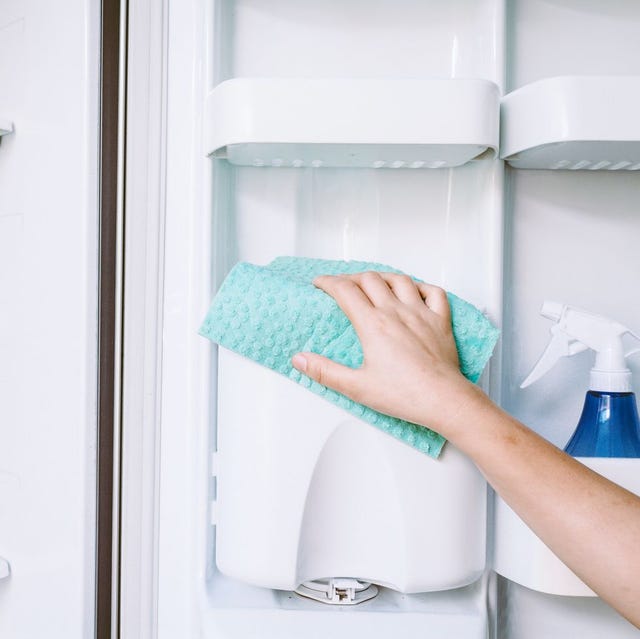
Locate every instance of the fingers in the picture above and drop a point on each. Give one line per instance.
(349, 296)
(436, 299)
(326, 372)
(403, 287)
(359, 293)
(375, 288)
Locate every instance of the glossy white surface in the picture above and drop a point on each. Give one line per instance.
(432, 223)
(337, 39)
(347, 122)
(48, 321)
(306, 491)
(6, 126)
(549, 38)
(275, 613)
(566, 237)
(144, 175)
(571, 237)
(521, 556)
(529, 614)
(573, 122)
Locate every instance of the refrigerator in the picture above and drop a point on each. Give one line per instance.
(152, 485)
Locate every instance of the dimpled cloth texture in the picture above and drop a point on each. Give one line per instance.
(270, 313)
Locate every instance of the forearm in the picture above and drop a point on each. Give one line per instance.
(592, 524)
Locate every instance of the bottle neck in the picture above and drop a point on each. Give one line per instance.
(613, 394)
(606, 381)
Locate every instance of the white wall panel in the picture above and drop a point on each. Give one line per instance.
(48, 316)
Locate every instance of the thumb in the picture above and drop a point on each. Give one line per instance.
(326, 372)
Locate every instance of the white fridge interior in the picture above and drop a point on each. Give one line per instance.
(504, 238)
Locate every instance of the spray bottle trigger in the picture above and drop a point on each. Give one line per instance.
(576, 347)
(561, 345)
(558, 347)
(633, 351)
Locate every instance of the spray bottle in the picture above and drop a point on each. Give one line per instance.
(609, 425)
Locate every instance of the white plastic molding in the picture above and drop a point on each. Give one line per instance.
(292, 466)
(375, 123)
(6, 127)
(573, 122)
(519, 555)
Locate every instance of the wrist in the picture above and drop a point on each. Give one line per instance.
(466, 403)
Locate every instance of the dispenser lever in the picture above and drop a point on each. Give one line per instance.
(339, 590)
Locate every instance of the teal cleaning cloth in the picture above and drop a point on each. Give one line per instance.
(270, 313)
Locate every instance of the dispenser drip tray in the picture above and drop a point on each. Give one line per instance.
(340, 591)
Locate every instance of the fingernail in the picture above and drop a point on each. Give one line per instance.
(300, 362)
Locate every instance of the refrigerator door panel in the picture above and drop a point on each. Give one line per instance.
(522, 557)
(529, 614)
(333, 39)
(567, 235)
(442, 224)
(49, 78)
(548, 38)
(570, 237)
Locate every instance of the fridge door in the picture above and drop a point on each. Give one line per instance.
(571, 236)
(49, 82)
(444, 224)
(565, 237)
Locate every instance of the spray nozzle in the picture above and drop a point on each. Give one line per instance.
(575, 331)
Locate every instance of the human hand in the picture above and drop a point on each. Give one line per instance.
(410, 368)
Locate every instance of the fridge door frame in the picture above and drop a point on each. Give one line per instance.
(144, 158)
(166, 496)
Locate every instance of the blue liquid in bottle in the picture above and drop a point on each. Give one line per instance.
(608, 427)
